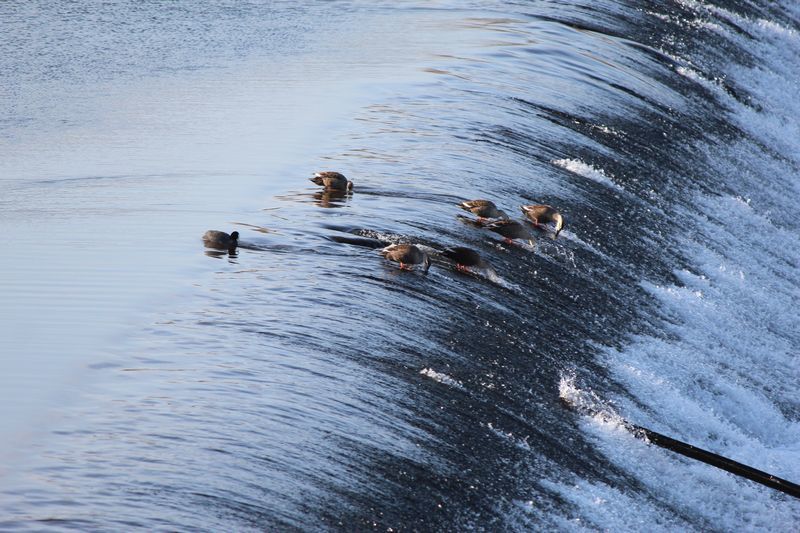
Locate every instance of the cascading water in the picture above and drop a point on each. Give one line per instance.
(306, 382)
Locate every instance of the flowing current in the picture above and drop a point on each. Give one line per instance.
(308, 384)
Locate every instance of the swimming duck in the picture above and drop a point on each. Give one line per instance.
(407, 255)
(542, 214)
(221, 240)
(466, 258)
(483, 209)
(511, 229)
(333, 181)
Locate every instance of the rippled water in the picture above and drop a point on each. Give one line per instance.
(307, 383)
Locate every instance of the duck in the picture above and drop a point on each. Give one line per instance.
(221, 240)
(511, 229)
(483, 209)
(332, 181)
(465, 258)
(407, 255)
(543, 214)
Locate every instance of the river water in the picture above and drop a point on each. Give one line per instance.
(305, 383)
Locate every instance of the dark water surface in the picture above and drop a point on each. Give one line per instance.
(306, 383)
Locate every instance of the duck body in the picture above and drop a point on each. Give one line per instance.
(221, 240)
(543, 214)
(511, 229)
(466, 258)
(483, 209)
(407, 255)
(332, 181)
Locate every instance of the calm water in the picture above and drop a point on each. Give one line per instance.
(307, 384)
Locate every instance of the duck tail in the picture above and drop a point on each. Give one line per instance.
(386, 249)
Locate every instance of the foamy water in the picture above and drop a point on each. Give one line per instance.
(587, 171)
(723, 375)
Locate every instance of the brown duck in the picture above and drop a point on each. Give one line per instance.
(483, 209)
(466, 258)
(407, 255)
(332, 181)
(511, 229)
(544, 214)
(221, 240)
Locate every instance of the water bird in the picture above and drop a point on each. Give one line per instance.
(332, 181)
(483, 209)
(511, 229)
(465, 258)
(407, 255)
(221, 240)
(543, 214)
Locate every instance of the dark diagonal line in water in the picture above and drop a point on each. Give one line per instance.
(688, 450)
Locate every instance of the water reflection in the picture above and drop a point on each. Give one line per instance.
(366, 242)
(220, 253)
(332, 198)
(325, 198)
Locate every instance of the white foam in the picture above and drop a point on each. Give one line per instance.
(713, 84)
(576, 166)
(724, 376)
(727, 377)
(519, 442)
(714, 496)
(608, 130)
(441, 378)
(588, 403)
(570, 236)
